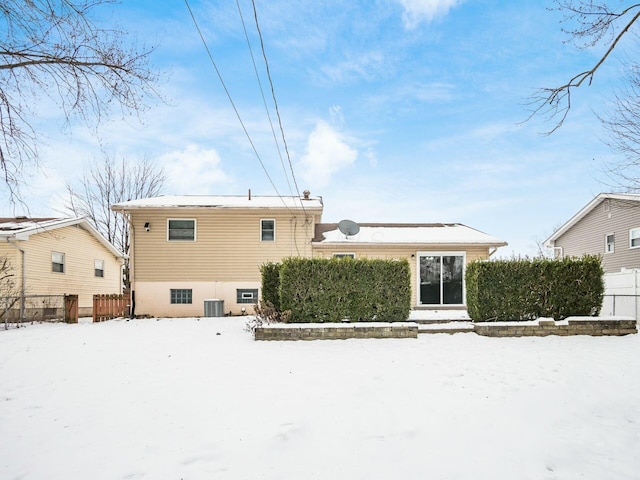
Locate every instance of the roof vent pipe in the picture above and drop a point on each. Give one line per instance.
(249, 194)
(306, 194)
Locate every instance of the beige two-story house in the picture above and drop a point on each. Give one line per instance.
(51, 257)
(190, 249)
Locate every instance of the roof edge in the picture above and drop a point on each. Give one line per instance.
(55, 224)
(549, 242)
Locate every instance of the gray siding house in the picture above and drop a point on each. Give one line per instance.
(609, 226)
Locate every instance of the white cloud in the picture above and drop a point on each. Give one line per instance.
(368, 67)
(416, 11)
(193, 170)
(327, 153)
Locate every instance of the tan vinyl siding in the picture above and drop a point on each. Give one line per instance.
(80, 250)
(14, 256)
(228, 246)
(588, 235)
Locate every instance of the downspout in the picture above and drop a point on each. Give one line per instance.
(132, 292)
(635, 290)
(24, 278)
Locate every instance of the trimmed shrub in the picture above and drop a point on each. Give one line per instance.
(271, 283)
(332, 290)
(525, 289)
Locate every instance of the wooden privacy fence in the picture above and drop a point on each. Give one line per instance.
(106, 307)
(71, 308)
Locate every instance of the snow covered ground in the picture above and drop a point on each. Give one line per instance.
(200, 399)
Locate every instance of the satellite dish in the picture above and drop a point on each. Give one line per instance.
(348, 227)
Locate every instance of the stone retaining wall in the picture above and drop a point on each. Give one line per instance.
(336, 331)
(594, 326)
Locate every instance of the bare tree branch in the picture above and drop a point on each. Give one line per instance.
(596, 22)
(111, 182)
(623, 125)
(55, 48)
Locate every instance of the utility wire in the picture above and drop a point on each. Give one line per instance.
(275, 102)
(233, 104)
(264, 100)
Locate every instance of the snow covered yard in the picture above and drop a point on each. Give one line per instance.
(200, 399)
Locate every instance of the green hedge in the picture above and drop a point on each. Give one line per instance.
(525, 289)
(330, 290)
(271, 283)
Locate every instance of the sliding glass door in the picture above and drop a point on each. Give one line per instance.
(441, 278)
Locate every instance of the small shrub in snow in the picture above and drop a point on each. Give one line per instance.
(266, 313)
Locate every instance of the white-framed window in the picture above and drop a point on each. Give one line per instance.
(57, 262)
(609, 243)
(181, 230)
(268, 230)
(98, 268)
(634, 238)
(344, 255)
(181, 295)
(247, 295)
(441, 278)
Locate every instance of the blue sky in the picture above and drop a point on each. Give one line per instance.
(393, 111)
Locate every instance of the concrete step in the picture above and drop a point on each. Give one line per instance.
(446, 327)
(435, 321)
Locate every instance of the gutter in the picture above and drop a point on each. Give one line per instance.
(24, 278)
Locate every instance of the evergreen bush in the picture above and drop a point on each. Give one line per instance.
(334, 290)
(525, 289)
(271, 283)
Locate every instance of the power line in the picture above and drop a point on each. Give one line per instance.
(264, 100)
(234, 105)
(275, 102)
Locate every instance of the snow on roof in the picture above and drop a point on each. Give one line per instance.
(27, 226)
(220, 201)
(439, 233)
(21, 228)
(625, 197)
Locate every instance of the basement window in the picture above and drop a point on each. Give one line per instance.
(181, 295)
(247, 295)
